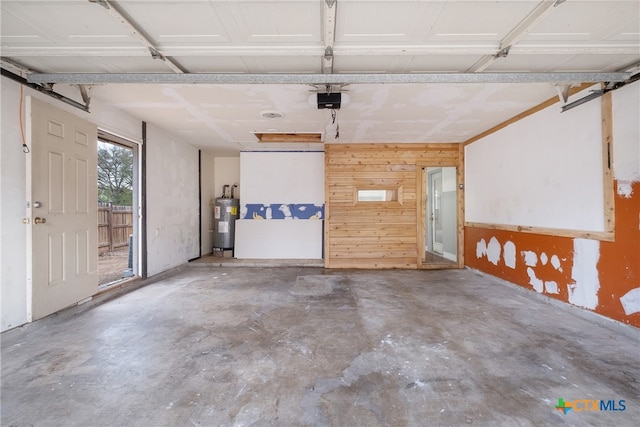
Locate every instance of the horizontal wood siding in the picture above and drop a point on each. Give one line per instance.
(376, 234)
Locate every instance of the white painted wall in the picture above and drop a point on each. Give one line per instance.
(227, 172)
(172, 201)
(280, 178)
(544, 170)
(626, 136)
(278, 239)
(168, 157)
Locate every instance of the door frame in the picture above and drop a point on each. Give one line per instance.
(138, 218)
(421, 207)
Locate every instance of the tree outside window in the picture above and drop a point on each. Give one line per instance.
(115, 174)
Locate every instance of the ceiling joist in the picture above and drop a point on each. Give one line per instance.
(314, 79)
(329, 12)
(138, 33)
(516, 34)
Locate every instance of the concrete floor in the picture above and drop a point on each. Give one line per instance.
(306, 346)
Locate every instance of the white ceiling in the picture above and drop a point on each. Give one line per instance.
(291, 37)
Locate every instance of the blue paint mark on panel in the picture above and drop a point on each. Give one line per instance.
(282, 211)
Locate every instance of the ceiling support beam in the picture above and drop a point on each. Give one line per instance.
(518, 33)
(329, 13)
(85, 93)
(598, 93)
(633, 68)
(138, 33)
(45, 89)
(16, 67)
(563, 92)
(316, 79)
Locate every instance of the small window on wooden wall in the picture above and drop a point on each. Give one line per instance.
(379, 195)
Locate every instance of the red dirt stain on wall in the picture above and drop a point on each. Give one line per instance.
(618, 266)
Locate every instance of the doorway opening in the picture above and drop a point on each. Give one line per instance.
(117, 209)
(441, 217)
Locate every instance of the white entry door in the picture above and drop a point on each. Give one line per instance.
(61, 208)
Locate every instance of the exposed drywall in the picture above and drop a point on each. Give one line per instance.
(599, 276)
(281, 177)
(172, 201)
(278, 239)
(282, 194)
(542, 171)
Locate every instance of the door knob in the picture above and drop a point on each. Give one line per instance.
(38, 220)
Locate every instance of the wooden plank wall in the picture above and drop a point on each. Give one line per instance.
(377, 234)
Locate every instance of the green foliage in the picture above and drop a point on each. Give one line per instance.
(115, 174)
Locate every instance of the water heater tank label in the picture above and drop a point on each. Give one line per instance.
(233, 210)
(223, 227)
(216, 212)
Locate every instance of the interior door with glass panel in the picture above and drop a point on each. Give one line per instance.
(440, 215)
(435, 185)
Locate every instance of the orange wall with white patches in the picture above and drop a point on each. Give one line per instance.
(599, 276)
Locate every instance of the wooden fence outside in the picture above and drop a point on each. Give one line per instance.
(115, 224)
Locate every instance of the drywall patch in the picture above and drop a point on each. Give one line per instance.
(493, 251)
(481, 248)
(631, 301)
(537, 284)
(509, 255)
(544, 258)
(584, 291)
(624, 189)
(530, 258)
(551, 287)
